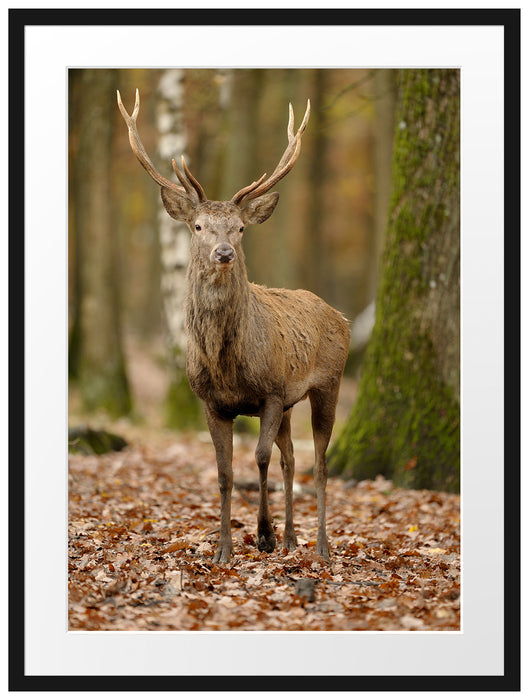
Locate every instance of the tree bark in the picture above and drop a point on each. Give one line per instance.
(385, 93)
(101, 364)
(405, 422)
(240, 166)
(183, 409)
(75, 292)
(316, 254)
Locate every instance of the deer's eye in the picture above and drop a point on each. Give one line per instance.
(198, 227)
(241, 229)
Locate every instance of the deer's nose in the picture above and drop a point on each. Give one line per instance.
(224, 253)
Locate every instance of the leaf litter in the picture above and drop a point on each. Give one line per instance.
(144, 523)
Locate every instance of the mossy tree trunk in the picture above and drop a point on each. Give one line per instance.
(183, 408)
(96, 338)
(405, 422)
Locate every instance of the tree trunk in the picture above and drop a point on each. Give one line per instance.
(101, 365)
(405, 422)
(75, 292)
(240, 163)
(283, 269)
(316, 274)
(183, 409)
(385, 92)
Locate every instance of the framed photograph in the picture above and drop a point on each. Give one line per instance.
(45, 47)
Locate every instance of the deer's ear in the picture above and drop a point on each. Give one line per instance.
(260, 208)
(178, 205)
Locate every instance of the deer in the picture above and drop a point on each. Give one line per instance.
(252, 350)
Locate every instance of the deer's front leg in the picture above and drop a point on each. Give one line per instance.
(270, 421)
(222, 435)
(284, 442)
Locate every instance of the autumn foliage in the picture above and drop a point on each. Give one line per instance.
(144, 525)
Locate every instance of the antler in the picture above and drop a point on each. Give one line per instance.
(190, 184)
(285, 165)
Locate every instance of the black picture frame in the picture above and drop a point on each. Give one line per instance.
(19, 19)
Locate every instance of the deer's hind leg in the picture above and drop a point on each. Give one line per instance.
(323, 405)
(284, 442)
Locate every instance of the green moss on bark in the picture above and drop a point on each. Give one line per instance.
(405, 423)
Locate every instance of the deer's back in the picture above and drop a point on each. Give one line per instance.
(307, 333)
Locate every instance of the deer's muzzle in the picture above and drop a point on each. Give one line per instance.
(224, 253)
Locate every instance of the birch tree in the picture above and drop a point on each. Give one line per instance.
(183, 408)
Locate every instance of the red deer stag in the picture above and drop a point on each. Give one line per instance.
(251, 350)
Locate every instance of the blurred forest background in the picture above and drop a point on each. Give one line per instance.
(325, 235)
(379, 166)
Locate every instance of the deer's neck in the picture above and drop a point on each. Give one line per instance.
(217, 305)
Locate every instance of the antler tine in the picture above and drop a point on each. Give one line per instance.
(290, 127)
(136, 104)
(285, 165)
(181, 177)
(194, 191)
(189, 181)
(196, 184)
(305, 121)
(241, 194)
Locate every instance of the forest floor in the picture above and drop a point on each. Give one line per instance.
(144, 523)
(143, 527)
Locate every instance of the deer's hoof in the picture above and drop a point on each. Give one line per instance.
(322, 549)
(266, 542)
(223, 554)
(290, 541)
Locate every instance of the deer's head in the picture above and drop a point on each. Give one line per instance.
(217, 227)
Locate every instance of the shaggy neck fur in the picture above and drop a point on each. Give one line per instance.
(217, 306)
